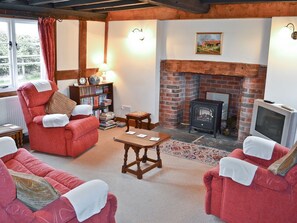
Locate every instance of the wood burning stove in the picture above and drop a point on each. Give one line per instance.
(206, 115)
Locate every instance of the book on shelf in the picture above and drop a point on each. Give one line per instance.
(96, 101)
(97, 113)
(106, 102)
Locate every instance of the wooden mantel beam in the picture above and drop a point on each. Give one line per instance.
(211, 67)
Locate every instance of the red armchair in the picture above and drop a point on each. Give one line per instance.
(60, 210)
(269, 198)
(71, 140)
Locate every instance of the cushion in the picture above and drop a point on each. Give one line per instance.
(55, 120)
(34, 191)
(284, 164)
(60, 104)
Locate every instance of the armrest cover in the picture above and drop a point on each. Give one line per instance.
(258, 147)
(88, 198)
(55, 120)
(82, 110)
(7, 146)
(238, 170)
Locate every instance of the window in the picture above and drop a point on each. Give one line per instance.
(20, 53)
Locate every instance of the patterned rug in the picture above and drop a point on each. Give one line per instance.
(194, 152)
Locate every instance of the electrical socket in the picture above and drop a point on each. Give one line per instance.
(126, 109)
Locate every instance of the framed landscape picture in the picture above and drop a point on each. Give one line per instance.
(209, 43)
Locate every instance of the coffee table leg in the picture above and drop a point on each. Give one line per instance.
(158, 157)
(124, 167)
(127, 124)
(149, 123)
(144, 158)
(138, 172)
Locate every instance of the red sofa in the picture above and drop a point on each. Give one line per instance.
(76, 137)
(60, 210)
(269, 198)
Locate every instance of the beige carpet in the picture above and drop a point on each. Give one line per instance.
(173, 194)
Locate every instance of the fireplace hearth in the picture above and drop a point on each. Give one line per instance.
(206, 115)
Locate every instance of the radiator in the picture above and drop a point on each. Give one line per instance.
(11, 112)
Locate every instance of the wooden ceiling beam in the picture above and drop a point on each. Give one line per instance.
(131, 7)
(108, 5)
(194, 6)
(43, 2)
(33, 11)
(73, 3)
(241, 1)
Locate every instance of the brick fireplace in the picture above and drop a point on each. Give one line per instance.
(182, 81)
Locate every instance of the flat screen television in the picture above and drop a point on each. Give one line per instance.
(274, 121)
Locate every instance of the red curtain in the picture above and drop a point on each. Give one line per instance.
(46, 28)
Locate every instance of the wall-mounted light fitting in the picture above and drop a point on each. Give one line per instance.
(103, 68)
(138, 33)
(291, 27)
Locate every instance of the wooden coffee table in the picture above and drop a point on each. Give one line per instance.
(137, 143)
(14, 131)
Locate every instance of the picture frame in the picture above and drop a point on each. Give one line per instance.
(220, 97)
(209, 43)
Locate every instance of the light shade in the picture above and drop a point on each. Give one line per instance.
(103, 67)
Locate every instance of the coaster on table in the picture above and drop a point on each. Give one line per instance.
(141, 135)
(130, 133)
(154, 139)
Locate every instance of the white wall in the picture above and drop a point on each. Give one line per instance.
(137, 67)
(95, 43)
(67, 44)
(68, 48)
(244, 40)
(281, 71)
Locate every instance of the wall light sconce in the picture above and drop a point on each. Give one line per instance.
(291, 27)
(138, 33)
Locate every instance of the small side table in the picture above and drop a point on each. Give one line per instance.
(14, 131)
(138, 117)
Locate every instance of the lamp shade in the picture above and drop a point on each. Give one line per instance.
(103, 67)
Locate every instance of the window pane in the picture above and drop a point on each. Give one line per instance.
(5, 77)
(28, 52)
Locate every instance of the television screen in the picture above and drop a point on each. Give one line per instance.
(270, 124)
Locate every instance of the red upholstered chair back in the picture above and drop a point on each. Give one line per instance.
(33, 102)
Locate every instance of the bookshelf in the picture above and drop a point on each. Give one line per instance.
(99, 96)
